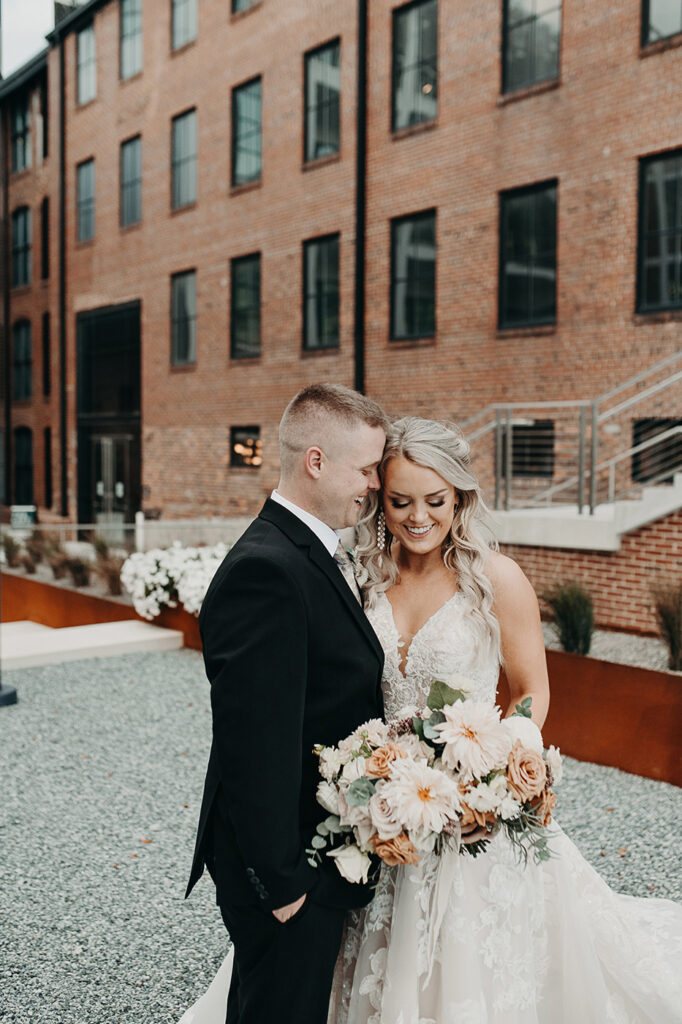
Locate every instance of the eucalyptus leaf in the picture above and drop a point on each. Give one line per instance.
(318, 842)
(322, 829)
(333, 824)
(312, 862)
(359, 792)
(441, 694)
(523, 709)
(418, 726)
(430, 732)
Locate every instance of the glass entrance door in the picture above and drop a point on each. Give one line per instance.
(112, 484)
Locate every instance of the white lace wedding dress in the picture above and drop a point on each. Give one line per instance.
(485, 940)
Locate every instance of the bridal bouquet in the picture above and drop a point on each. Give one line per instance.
(411, 787)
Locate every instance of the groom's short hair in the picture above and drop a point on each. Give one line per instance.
(312, 416)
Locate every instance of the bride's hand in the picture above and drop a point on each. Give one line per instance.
(284, 913)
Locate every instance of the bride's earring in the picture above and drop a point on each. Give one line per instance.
(381, 530)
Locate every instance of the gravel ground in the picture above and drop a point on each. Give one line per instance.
(102, 765)
(624, 648)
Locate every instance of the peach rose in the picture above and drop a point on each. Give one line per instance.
(378, 766)
(544, 806)
(400, 850)
(480, 818)
(526, 773)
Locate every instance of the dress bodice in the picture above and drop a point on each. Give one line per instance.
(446, 644)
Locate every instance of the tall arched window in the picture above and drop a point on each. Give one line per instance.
(23, 466)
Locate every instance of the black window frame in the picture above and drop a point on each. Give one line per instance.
(46, 341)
(21, 146)
(395, 281)
(187, 321)
(239, 6)
(251, 311)
(190, 32)
(130, 39)
(534, 79)
(644, 466)
(45, 238)
(86, 65)
(21, 229)
(22, 361)
(23, 495)
(311, 110)
(238, 135)
(47, 468)
(85, 204)
(533, 450)
(643, 306)
(238, 461)
(404, 11)
(324, 295)
(646, 18)
(130, 186)
(505, 322)
(182, 163)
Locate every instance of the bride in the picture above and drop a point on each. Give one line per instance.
(485, 940)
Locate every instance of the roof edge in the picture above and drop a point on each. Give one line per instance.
(24, 74)
(72, 21)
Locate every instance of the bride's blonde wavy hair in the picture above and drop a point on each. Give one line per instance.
(439, 446)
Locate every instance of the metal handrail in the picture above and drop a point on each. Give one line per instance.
(629, 402)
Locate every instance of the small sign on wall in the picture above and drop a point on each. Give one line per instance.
(22, 516)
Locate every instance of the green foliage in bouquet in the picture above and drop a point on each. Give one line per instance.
(573, 616)
(668, 605)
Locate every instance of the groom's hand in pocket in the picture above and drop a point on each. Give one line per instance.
(284, 913)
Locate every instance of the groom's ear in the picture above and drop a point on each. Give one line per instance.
(314, 458)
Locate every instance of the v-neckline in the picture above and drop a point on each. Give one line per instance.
(403, 660)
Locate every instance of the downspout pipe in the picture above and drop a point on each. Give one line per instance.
(63, 440)
(7, 330)
(360, 200)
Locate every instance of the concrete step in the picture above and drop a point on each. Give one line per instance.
(26, 645)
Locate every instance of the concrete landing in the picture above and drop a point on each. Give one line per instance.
(27, 644)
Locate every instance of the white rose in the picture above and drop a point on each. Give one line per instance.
(353, 770)
(487, 796)
(328, 797)
(525, 730)
(382, 818)
(377, 732)
(462, 683)
(352, 863)
(423, 839)
(414, 748)
(553, 759)
(330, 763)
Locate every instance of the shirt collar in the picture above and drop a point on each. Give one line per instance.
(324, 533)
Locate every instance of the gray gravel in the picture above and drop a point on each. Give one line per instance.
(623, 648)
(102, 765)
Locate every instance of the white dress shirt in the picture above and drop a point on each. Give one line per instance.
(329, 537)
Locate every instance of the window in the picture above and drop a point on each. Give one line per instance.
(530, 45)
(661, 459)
(321, 293)
(131, 37)
(413, 276)
(131, 182)
(532, 449)
(245, 307)
(23, 466)
(183, 318)
(47, 356)
(21, 247)
(87, 65)
(45, 238)
(245, 447)
(184, 160)
(47, 464)
(20, 131)
(660, 19)
(85, 201)
(242, 5)
(184, 22)
(246, 132)
(659, 284)
(415, 64)
(527, 283)
(322, 100)
(21, 371)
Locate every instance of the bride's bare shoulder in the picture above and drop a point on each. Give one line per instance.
(508, 578)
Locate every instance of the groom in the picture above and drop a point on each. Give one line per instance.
(292, 662)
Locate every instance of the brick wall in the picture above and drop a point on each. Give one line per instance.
(620, 581)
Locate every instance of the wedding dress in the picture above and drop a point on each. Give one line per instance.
(487, 940)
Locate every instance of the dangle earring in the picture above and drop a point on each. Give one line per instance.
(381, 530)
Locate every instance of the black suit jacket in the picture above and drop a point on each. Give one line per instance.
(292, 661)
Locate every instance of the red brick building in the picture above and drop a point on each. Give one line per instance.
(448, 205)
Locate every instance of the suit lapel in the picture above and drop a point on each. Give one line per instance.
(303, 537)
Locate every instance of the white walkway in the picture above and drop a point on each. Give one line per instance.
(26, 644)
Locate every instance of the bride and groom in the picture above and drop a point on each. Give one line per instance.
(297, 655)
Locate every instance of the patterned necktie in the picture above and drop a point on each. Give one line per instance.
(344, 563)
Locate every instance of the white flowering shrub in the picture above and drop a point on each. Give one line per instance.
(166, 577)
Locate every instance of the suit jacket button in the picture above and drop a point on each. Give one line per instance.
(250, 872)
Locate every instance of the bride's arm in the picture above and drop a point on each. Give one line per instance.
(523, 647)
